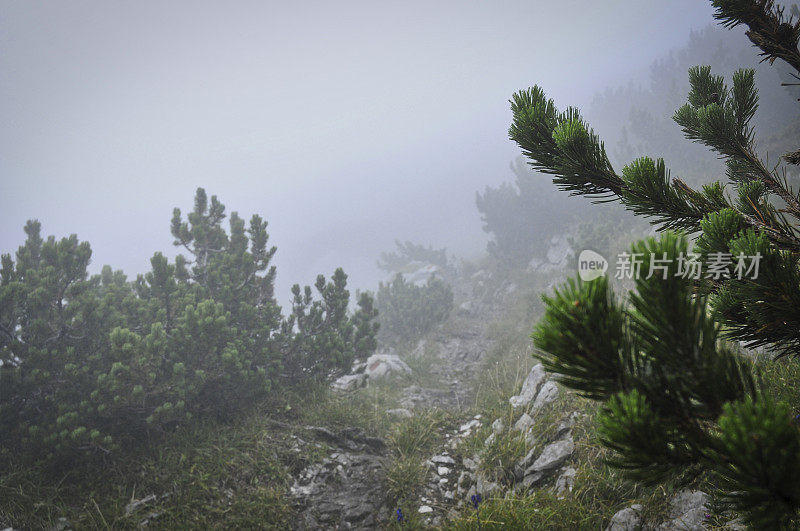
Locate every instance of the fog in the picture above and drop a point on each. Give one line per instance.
(346, 125)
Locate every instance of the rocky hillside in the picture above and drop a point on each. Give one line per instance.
(497, 441)
(459, 430)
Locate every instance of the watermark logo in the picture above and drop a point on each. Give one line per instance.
(591, 265)
(717, 266)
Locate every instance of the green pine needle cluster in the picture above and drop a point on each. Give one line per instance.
(679, 401)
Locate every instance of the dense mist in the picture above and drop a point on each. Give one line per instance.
(378, 265)
(345, 125)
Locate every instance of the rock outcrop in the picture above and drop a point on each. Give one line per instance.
(339, 492)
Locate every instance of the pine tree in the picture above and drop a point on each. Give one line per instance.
(320, 339)
(408, 311)
(521, 217)
(679, 401)
(94, 362)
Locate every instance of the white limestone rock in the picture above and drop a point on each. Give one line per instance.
(547, 394)
(628, 519)
(529, 387)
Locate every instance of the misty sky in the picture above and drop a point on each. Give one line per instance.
(345, 124)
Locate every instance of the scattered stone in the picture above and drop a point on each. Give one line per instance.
(380, 365)
(529, 387)
(339, 491)
(565, 482)
(552, 456)
(687, 512)
(62, 524)
(484, 487)
(399, 412)
(443, 460)
(629, 519)
(547, 394)
(464, 479)
(350, 381)
(524, 423)
(469, 426)
(532, 479)
(442, 470)
(470, 464)
(490, 439)
(498, 426)
(559, 250)
(567, 424)
(425, 509)
(526, 461)
(148, 519)
(135, 505)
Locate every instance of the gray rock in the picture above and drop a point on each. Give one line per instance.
(565, 482)
(469, 426)
(526, 461)
(547, 394)
(339, 492)
(443, 460)
(135, 505)
(567, 424)
(471, 464)
(529, 387)
(559, 250)
(62, 524)
(425, 509)
(629, 519)
(349, 381)
(399, 412)
(381, 365)
(148, 519)
(533, 479)
(484, 487)
(442, 470)
(498, 426)
(524, 423)
(490, 439)
(687, 512)
(552, 456)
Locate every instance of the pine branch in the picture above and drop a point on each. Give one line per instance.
(768, 28)
(561, 144)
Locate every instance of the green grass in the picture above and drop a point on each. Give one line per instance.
(412, 441)
(780, 377)
(206, 475)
